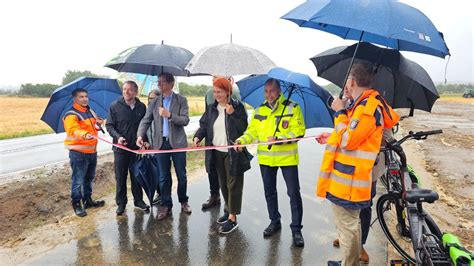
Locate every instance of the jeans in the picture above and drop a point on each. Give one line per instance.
(366, 215)
(122, 163)
(83, 171)
(290, 174)
(164, 166)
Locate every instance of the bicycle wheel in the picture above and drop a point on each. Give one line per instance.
(394, 223)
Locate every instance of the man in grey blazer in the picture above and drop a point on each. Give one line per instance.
(171, 114)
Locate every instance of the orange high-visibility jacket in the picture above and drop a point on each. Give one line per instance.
(352, 148)
(77, 123)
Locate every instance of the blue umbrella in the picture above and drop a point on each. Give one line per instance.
(296, 86)
(385, 22)
(101, 93)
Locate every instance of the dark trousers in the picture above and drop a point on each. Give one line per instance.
(164, 166)
(290, 174)
(231, 186)
(213, 180)
(123, 162)
(366, 215)
(83, 171)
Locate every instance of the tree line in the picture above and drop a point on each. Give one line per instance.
(46, 89)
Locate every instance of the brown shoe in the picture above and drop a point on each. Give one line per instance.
(364, 257)
(335, 243)
(163, 213)
(213, 201)
(186, 208)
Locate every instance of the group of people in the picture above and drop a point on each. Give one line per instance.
(345, 179)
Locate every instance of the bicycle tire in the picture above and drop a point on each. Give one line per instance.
(393, 232)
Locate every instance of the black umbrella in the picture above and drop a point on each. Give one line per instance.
(402, 82)
(145, 170)
(152, 59)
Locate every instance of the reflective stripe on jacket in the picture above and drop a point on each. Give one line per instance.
(79, 121)
(352, 148)
(262, 125)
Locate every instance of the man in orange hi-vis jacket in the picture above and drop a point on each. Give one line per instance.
(80, 124)
(351, 150)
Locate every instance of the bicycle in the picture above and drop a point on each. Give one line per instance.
(401, 214)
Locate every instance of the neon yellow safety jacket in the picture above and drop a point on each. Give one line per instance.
(262, 126)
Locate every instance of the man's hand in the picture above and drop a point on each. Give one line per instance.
(122, 141)
(145, 146)
(140, 143)
(100, 121)
(164, 113)
(197, 142)
(338, 104)
(229, 109)
(88, 136)
(323, 137)
(238, 149)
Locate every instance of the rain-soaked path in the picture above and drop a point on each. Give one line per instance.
(138, 238)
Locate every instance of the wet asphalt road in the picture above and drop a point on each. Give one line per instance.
(138, 238)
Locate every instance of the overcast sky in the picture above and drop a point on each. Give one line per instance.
(41, 40)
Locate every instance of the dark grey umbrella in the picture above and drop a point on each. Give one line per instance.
(402, 82)
(152, 59)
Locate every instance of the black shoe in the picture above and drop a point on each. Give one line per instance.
(156, 200)
(90, 203)
(334, 263)
(228, 227)
(223, 219)
(271, 229)
(298, 239)
(120, 209)
(78, 209)
(142, 206)
(213, 201)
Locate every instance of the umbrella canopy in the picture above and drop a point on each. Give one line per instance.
(229, 60)
(400, 81)
(385, 22)
(101, 92)
(152, 59)
(145, 169)
(311, 97)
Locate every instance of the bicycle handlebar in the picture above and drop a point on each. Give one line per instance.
(420, 135)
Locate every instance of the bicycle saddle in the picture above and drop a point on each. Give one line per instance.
(421, 195)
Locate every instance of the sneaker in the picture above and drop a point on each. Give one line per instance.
(364, 256)
(271, 229)
(213, 201)
(90, 203)
(223, 219)
(142, 206)
(163, 213)
(228, 227)
(156, 200)
(120, 209)
(186, 208)
(298, 239)
(78, 209)
(334, 263)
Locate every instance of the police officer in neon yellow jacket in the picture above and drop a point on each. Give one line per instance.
(285, 156)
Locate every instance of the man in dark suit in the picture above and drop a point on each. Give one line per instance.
(170, 112)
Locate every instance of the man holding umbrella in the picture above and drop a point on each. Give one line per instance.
(80, 124)
(351, 150)
(124, 117)
(288, 118)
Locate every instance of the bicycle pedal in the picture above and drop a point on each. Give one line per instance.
(400, 263)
